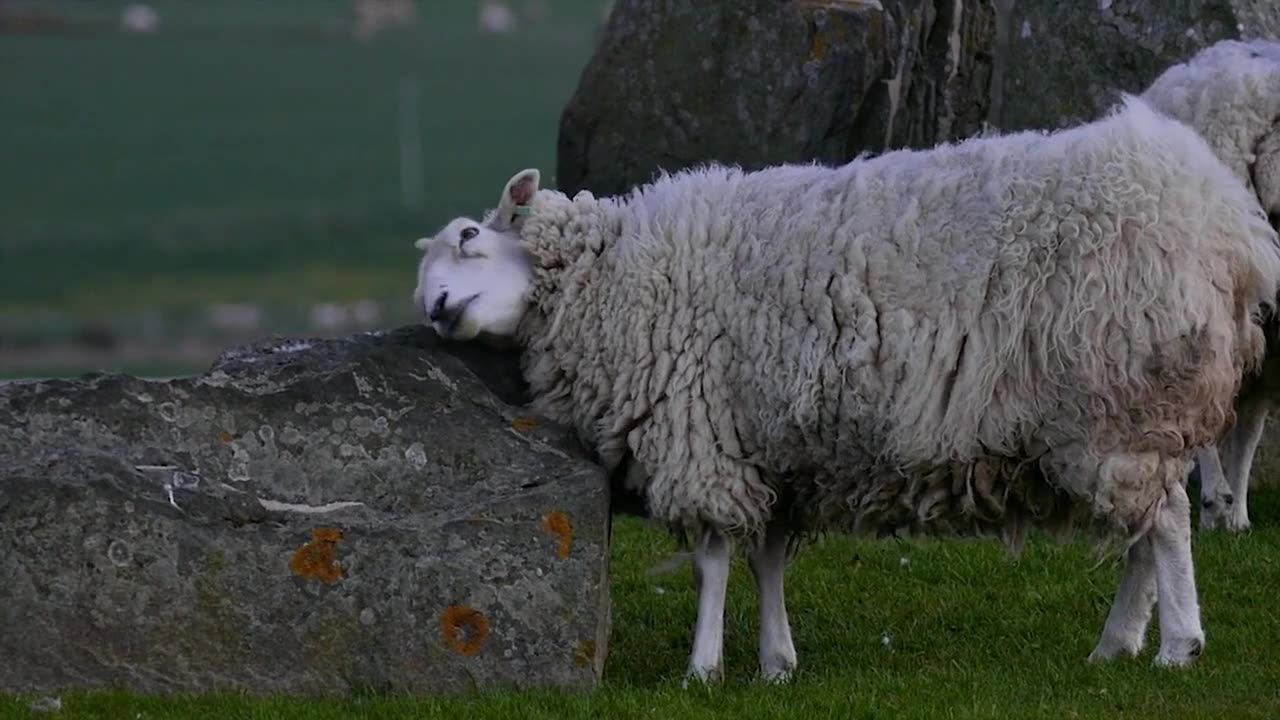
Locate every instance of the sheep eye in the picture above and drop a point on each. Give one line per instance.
(468, 233)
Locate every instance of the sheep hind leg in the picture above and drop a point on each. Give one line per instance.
(1214, 496)
(1125, 630)
(1239, 448)
(711, 571)
(1181, 635)
(768, 565)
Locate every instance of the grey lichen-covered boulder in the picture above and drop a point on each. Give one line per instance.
(1059, 62)
(759, 82)
(308, 516)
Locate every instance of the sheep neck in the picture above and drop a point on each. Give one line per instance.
(564, 238)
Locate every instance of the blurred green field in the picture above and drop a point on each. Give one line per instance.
(250, 151)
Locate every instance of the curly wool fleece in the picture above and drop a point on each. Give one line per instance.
(1041, 325)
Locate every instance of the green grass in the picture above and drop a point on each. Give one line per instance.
(972, 634)
(247, 139)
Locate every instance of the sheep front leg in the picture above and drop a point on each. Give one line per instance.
(1181, 636)
(1126, 627)
(711, 571)
(768, 565)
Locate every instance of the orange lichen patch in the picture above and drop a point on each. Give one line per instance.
(464, 628)
(585, 653)
(819, 49)
(225, 437)
(524, 424)
(317, 558)
(558, 524)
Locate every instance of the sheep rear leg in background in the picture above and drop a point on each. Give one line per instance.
(1238, 450)
(1213, 485)
(1181, 635)
(1126, 627)
(768, 565)
(711, 572)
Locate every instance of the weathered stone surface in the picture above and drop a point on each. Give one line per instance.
(675, 83)
(306, 517)
(758, 82)
(1063, 62)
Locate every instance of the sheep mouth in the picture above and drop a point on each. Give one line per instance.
(451, 317)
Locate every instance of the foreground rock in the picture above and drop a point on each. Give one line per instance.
(755, 83)
(307, 517)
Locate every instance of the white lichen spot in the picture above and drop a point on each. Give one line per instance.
(347, 450)
(277, 506)
(362, 425)
(380, 426)
(367, 617)
(339, 425)
(119, 554)
(238, 472)
(290, 435)
(1191, 32)
(954, 49)
(267, 434)
(1104, 5)
(439, 376)
(167, 411)
(292, 346)
(362, 385)
(144, 397)
(1026, 29)
(416, 455)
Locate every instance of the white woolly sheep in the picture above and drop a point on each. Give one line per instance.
(1027, 331)
(1230, 94)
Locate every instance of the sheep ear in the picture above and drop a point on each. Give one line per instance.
(516, 195)
(422, 243)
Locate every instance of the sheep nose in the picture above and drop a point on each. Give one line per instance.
(437, 310)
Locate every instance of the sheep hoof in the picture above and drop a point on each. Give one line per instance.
(1111, 649)
(1179, 653)
(1208, 515)
(779, 672)
(1236, 524)
(706, 676)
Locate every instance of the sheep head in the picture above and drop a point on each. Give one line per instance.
(474, 277)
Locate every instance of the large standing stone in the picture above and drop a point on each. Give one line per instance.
(308, 516)
(758, 82)
(675, 83)
(1059, 62)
